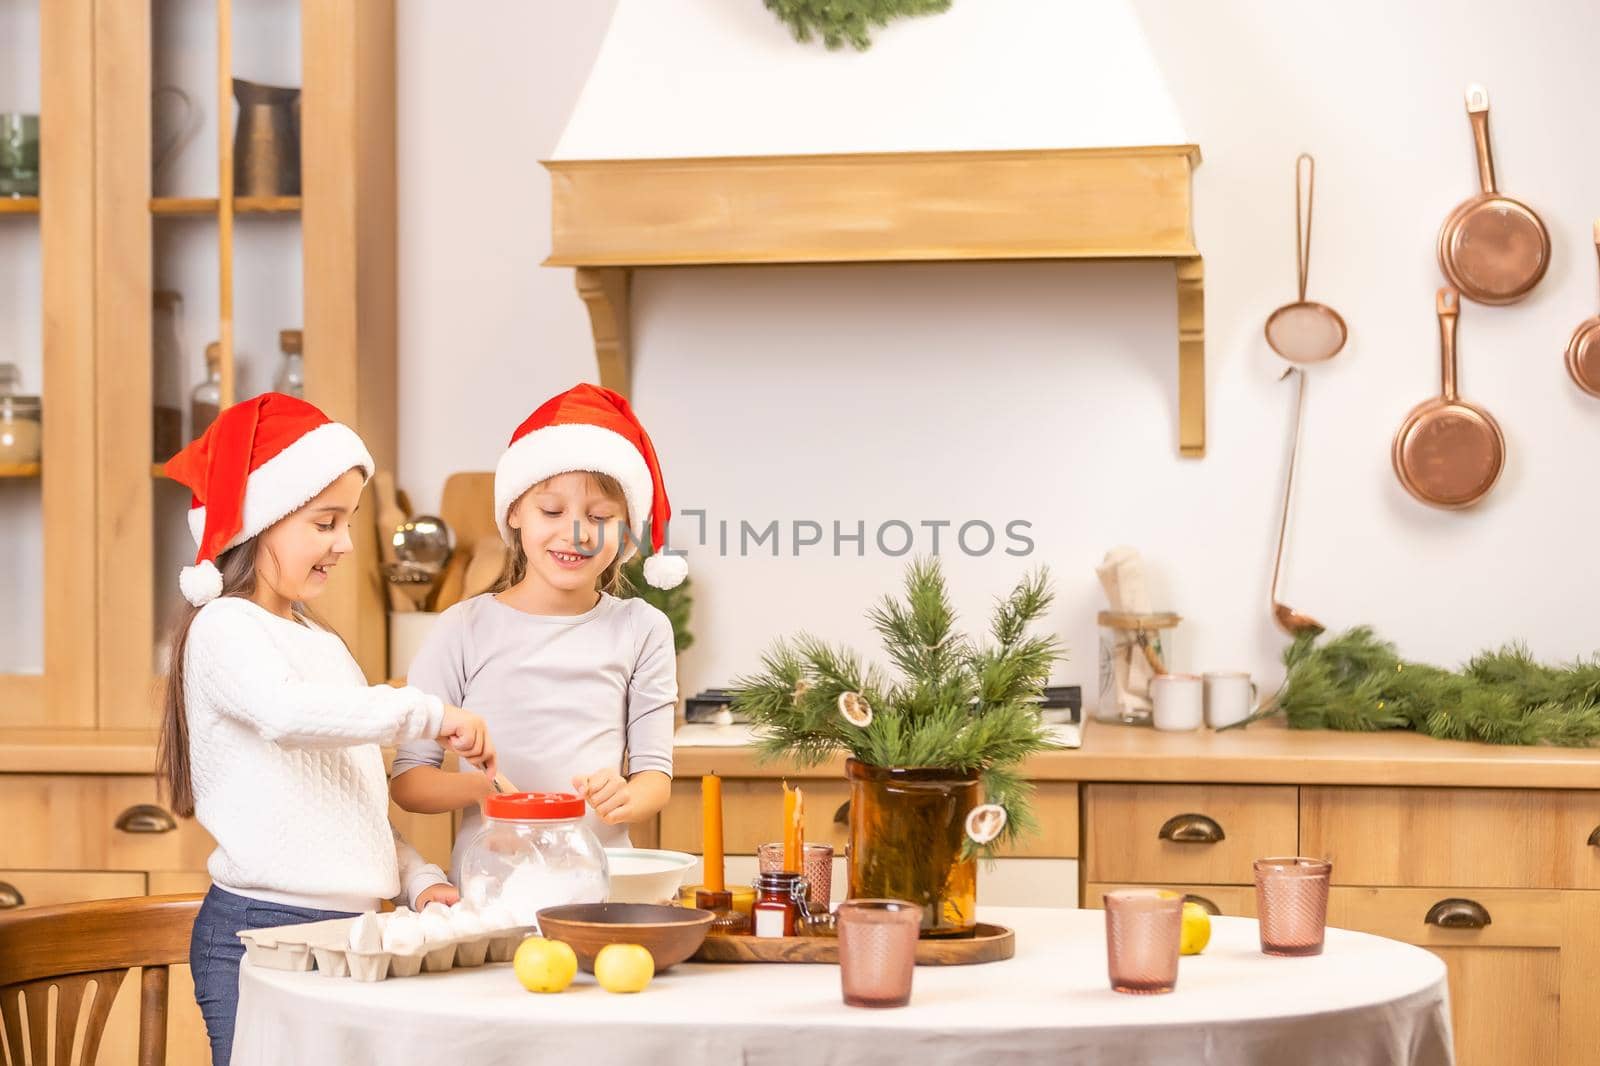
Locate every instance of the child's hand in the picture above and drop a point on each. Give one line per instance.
(446, 894)
(608, 794)
(467, 734)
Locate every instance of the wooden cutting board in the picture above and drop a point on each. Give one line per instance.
(990, 943)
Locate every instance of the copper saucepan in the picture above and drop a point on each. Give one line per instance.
(1492, 248)
(1448, 452)
(1583, 350)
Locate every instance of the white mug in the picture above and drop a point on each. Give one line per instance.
(1177, 699)
(1230, 698)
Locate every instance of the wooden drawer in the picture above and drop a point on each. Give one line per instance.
(1238, 901)
(1524, 988)
(39, 888)
(69, 822)
(1482, 838)
(752, 810)
(1127, 832)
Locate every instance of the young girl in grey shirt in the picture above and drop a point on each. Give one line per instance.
(578, 686)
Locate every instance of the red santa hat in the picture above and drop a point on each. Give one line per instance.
(261, 460)
(589, 428)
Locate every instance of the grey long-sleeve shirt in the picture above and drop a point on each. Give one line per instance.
(561, 694)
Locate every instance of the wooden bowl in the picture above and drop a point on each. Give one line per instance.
(670, 934)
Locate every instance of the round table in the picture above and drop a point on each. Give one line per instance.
(1364, 1000)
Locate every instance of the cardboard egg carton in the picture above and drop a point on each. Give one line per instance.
(326, 946)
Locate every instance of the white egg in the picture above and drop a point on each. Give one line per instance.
(402, 934)
(466, 921)
(367, 933)
(497, 917)
(436, 926)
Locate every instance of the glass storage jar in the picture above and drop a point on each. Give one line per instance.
(1133, 649)
(533, 852)
(19, 420)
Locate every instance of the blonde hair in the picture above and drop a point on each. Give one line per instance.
(611, 579)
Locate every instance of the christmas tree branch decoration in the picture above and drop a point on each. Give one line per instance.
(1355, 681)
(675, 602)
(838, 21)
(956, 705)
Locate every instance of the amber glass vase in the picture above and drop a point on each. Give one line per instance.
(907, 831)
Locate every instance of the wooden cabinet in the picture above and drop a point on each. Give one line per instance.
(1524, 984)
(1499, 883)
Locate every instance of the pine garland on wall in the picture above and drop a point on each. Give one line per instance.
(838, 21)
(1356, 681)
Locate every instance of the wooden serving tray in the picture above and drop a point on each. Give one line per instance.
(991, 943)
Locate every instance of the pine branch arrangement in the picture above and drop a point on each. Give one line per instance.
(675, 603)
(838, 21)
(956, 705)
(1355, 681)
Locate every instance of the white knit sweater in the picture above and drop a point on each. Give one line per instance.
(283, 753)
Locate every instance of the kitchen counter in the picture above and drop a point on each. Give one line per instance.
(1265, 753)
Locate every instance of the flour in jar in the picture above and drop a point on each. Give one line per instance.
(531, 886)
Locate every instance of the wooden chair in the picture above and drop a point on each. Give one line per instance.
(77, 947)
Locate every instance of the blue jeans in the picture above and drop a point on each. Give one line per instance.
(215, 951)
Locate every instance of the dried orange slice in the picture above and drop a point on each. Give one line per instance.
(985, 822)
(855, 709)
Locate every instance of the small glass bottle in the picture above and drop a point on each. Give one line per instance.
(19, 420)
(291, 379)
(776, 911)
(206, 402)
(166, 392)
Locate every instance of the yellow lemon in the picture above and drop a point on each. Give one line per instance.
(624, 968)
(1196, 930)
(544, 965)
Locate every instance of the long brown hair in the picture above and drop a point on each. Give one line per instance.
(611, 578)
(238, 566)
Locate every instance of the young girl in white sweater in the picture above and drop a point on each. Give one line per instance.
(580, 686)
(270, 733)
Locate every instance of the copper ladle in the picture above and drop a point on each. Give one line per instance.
(1290, 620)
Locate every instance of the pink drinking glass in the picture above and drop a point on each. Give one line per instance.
(1143, 929)
(1292, 903)
(818, 872)
(877, 951)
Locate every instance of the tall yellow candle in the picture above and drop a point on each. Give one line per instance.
(791, 848)
(711, 822)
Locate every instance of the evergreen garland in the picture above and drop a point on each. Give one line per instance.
(958, 705)
(838, 21)
(675, 602)
(1355, 681)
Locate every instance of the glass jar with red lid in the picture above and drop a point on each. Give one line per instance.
(532, 852)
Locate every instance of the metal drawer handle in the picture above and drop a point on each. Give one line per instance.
(1205, 904)
(1191, 829)
(10, 898)
(1594, 837)
(1458, 914)
(146, 818)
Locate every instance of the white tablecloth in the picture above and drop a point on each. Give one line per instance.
(1364, 1000)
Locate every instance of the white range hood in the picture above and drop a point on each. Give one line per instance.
(1000, 129)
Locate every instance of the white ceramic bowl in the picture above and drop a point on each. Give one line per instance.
(643, 875)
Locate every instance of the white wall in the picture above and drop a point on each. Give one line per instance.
(1047, 391)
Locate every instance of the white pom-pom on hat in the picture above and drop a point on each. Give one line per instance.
(201, 583)
(666, 571)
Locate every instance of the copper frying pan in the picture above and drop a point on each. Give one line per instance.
(1491, 247)
(1448, 453)
(1583, 350)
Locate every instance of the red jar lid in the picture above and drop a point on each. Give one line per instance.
(533, 806)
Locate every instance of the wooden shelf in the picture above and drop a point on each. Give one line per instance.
(207, 205)
(611, 216)
(19, 470)
(19, 205)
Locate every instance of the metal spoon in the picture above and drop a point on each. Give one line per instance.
(1290, 620)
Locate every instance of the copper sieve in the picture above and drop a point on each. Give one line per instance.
(1583, 350)
(1305, 331)
(1491, 247)
(1448, 452)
